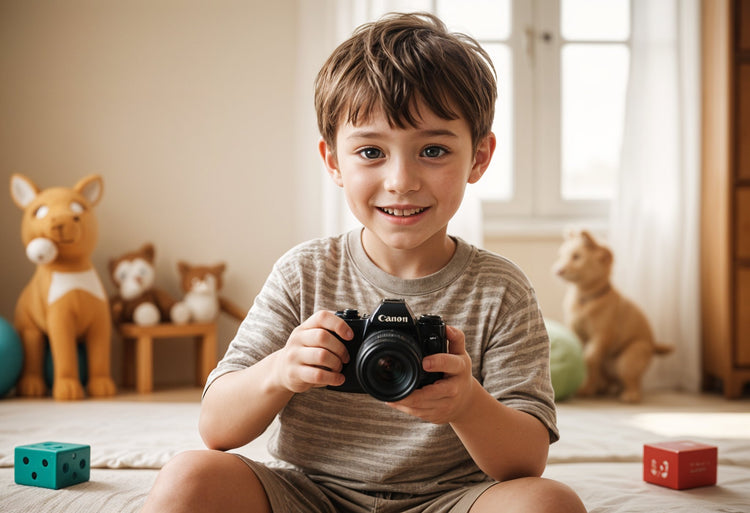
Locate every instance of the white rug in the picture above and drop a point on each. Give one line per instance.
(599, 454)
(136, 434)
(121, 434)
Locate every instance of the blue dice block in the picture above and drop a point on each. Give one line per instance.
(52, 464)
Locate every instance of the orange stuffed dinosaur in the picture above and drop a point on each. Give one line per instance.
(65, 299)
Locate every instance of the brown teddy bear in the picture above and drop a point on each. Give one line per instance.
(138, 301)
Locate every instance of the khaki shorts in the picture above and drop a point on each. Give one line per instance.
(292, 491)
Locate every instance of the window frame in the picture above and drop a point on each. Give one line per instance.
(536, 45)
(536, 207)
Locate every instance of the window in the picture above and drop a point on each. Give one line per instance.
(562, 69)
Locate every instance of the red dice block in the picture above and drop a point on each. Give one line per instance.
(680, 465)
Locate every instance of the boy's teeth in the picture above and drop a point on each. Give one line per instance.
(402, 213)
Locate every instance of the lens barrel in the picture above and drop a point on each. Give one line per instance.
(389, 365)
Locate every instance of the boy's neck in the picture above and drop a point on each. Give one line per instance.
(410, 263)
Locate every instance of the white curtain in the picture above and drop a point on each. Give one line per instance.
(348, 15)
(655, 218)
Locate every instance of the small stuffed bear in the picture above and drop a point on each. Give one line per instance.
(201, 285)
(137, 300)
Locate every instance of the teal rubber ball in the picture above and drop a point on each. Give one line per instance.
(567, 366)
(11, 357)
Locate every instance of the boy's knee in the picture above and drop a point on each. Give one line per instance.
(560, 497)
(529, 494)
(183, 478)
(186, 464)
(206, 481)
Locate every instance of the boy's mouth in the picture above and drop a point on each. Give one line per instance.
(398, 212)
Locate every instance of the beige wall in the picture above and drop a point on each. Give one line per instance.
(535, 255)
(186, 108)
(192, 111)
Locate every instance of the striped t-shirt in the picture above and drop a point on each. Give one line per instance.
(354, 440)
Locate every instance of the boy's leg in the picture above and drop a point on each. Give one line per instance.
(529, 494)
(206, 481)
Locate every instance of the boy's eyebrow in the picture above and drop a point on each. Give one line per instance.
(428, 132)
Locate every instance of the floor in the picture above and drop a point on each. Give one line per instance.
(709, 402)
(167, 395)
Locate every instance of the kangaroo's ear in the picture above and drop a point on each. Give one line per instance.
(573, 231)
(22, 190)
(588, 239)
(91, 188)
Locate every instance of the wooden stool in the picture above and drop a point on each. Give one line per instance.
(138, 357)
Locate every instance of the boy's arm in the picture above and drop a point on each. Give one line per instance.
(240, 405)
(504, 442)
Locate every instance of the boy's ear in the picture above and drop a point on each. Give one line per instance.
(482, 157)
(330, 161)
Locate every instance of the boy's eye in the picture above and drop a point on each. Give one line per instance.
(433, 152)
(371, 153)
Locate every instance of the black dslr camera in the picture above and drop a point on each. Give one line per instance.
(386, 352)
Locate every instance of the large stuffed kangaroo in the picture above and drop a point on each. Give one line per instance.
(64, 300)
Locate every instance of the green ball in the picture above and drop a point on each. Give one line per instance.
(567, 365)
(11, 357)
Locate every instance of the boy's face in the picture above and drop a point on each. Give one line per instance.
(405, 184)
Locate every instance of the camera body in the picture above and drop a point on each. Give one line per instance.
(386, 352)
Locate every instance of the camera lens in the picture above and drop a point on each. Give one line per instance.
(389, 369)
(388, 365)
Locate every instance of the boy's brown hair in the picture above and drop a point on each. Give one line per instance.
(393, 63)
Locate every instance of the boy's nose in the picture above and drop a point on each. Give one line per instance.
(401, 177)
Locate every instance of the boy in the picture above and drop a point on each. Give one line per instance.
(405, 111)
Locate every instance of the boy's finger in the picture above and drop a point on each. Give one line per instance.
(456, 340)
(319, 377)
(442, 362)
(328, 324)
(331, 322)
(322, 358)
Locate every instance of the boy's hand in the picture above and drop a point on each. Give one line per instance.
(445, 400)
(313, 356)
